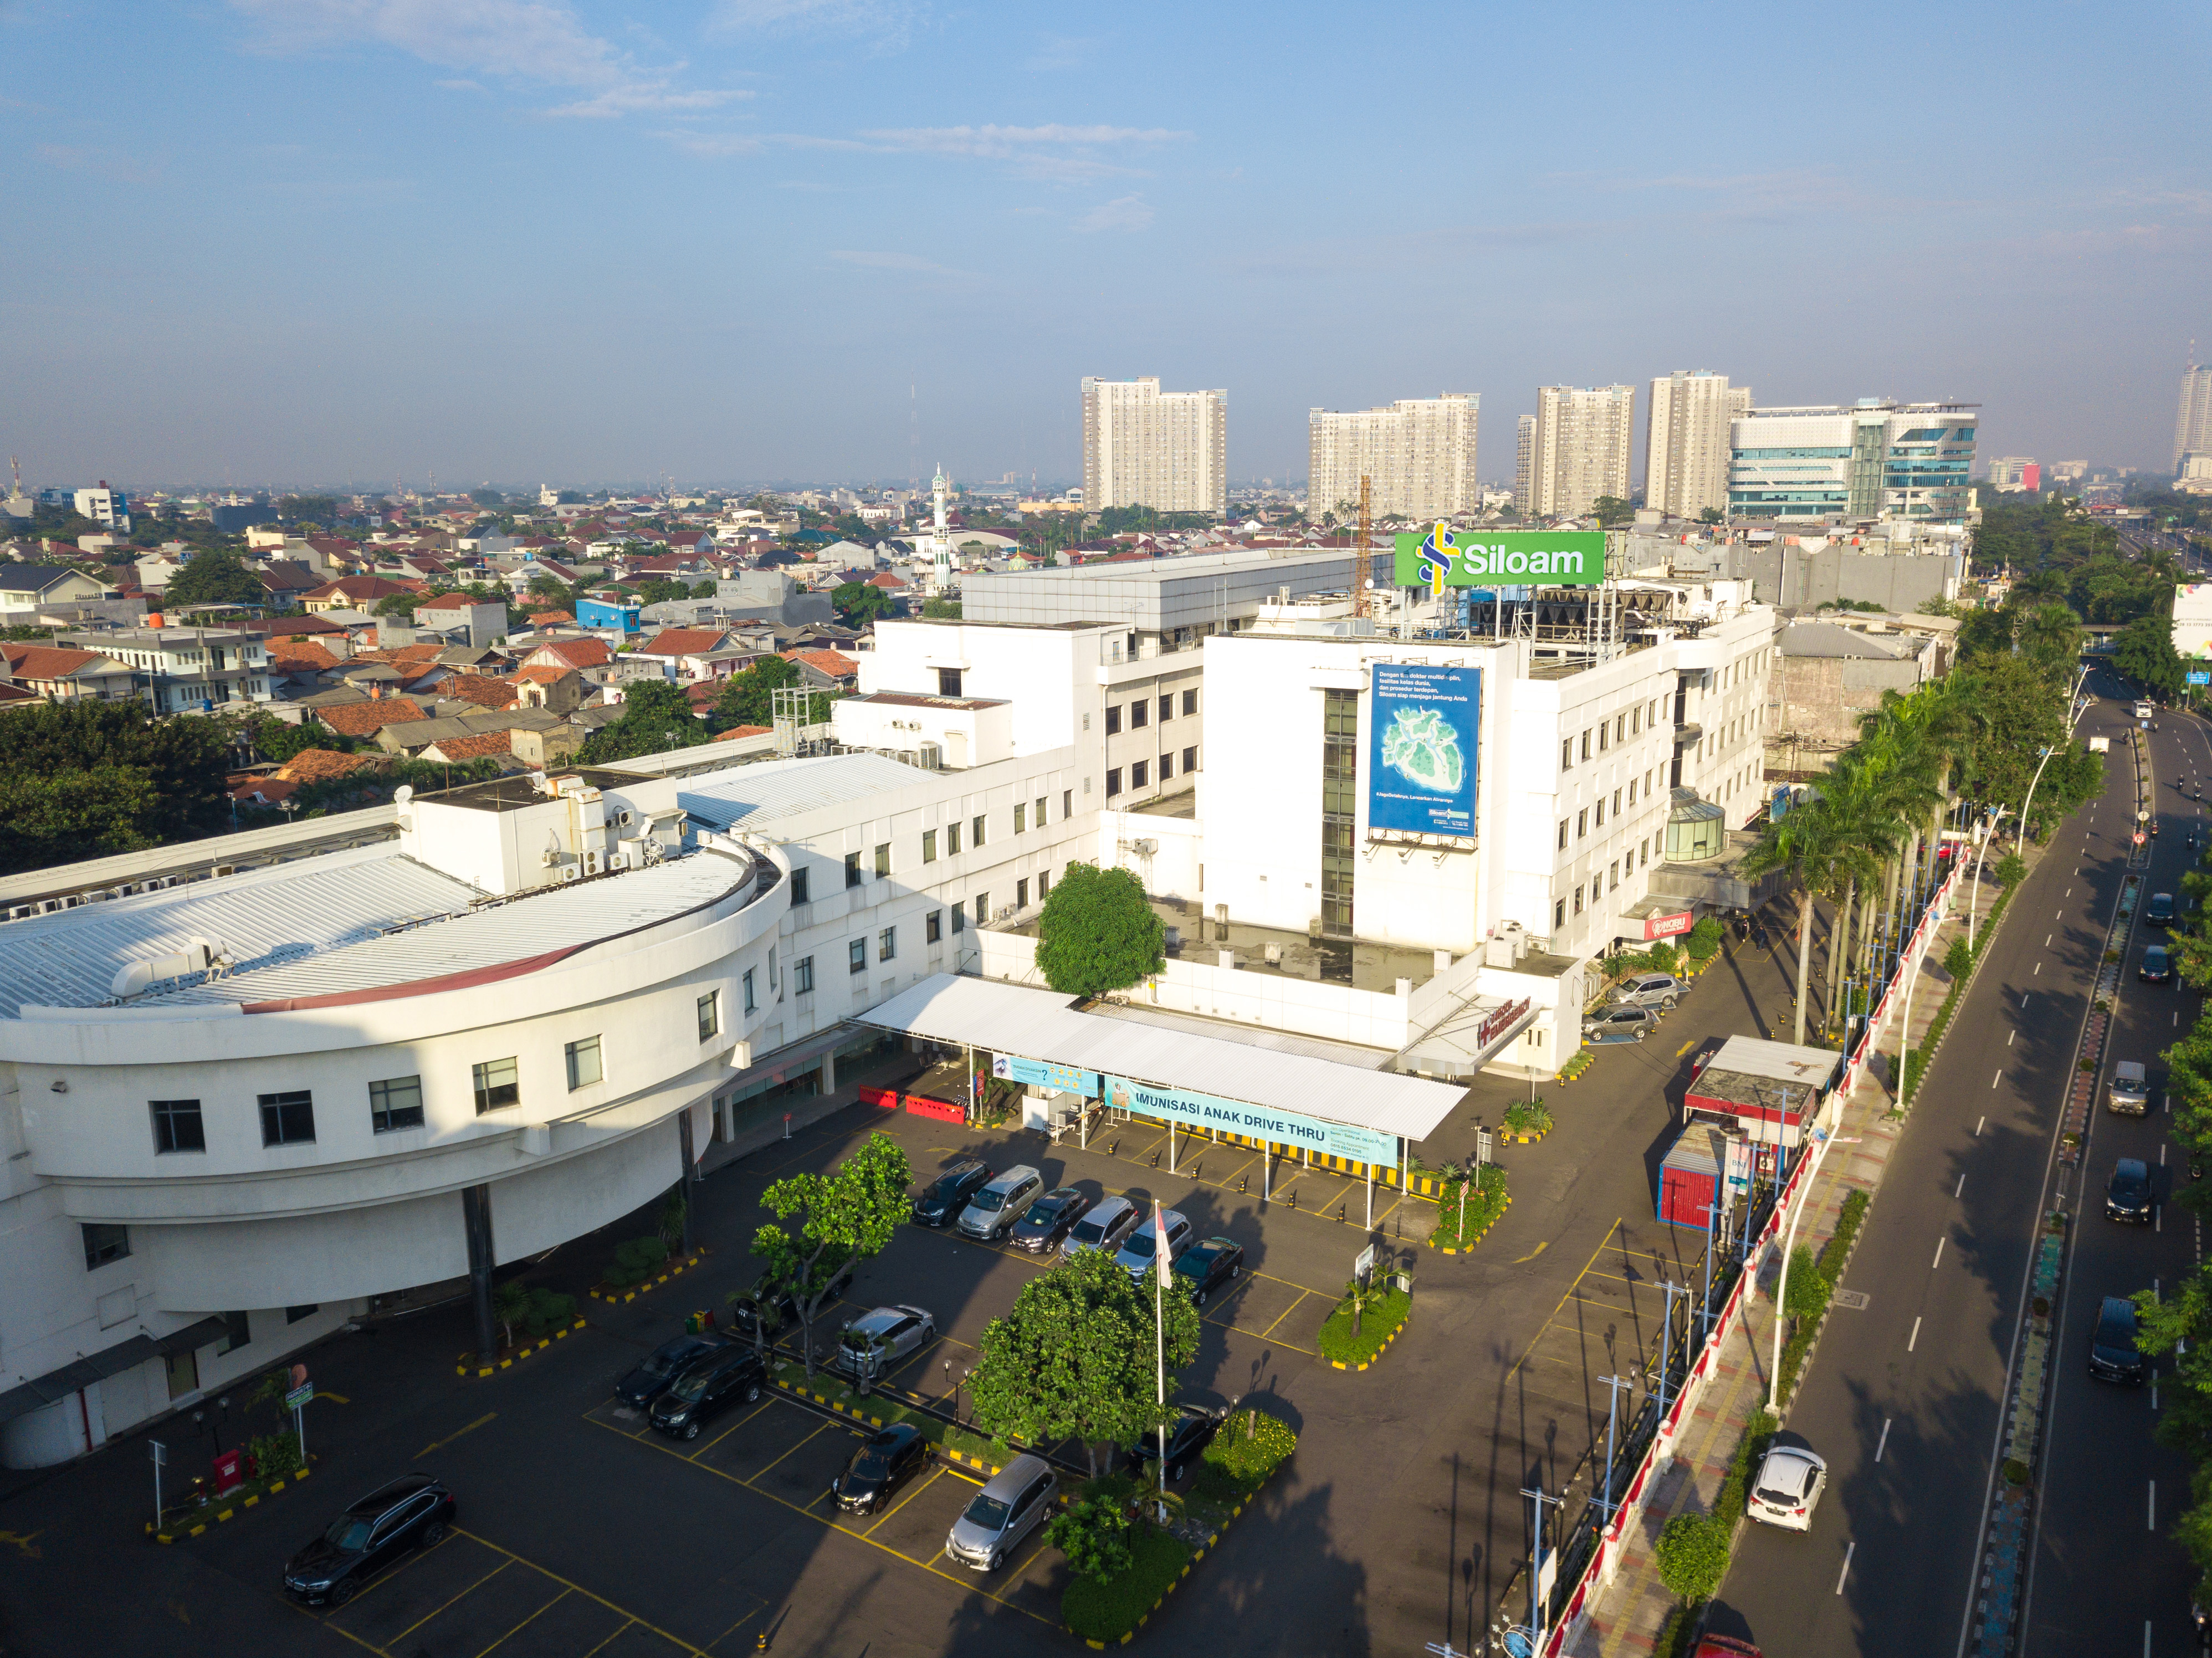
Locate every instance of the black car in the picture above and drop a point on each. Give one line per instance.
(705, 1388)
(1188, 1434)
(2159, 912)
(783, 1310)
(2156, 967)
(412, 1512)
(2113, 1354)
(941, 1202)
(663, 1365)
(880, 1467)
(1041, 1230)
(1207, 1265)
(2127, 1194)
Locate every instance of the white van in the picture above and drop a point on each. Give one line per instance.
(2129, 1094)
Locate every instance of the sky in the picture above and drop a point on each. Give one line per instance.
(311, 242)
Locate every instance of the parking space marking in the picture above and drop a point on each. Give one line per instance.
(1587, 1264)
(463, 1596)
(576, 1588)
(808, 1439)
(526, 1622)
(935, 1474)
(1269, 1334)
(768, 1398)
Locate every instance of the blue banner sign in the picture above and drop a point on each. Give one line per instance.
(1420, 753)
(1062, 1079)
(2200, 677)
(1255, 1121)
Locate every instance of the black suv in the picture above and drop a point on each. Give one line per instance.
(944, 1199)
(2113, 1355)
(412, 1512)
(663, 1365)
(1048, 1221)
(707, 1387)
(2127, 1194)
(782, 1309)
(2159, 912)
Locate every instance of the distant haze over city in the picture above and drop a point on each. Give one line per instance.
(810, 240)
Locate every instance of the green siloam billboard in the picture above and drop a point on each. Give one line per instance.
(1442, 558)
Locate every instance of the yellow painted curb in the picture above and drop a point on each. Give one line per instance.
(616, 1298)
(1385, 1348)
(475, 1371)
(221, 1515)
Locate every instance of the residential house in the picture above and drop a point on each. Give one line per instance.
(547, 685)
(828, 669)
(480, 745)
(185, 669)
(33, 588)
(370, 715)
(65, 674)
(482, 620)
(354, 593)
(681, 651)
(580, 654)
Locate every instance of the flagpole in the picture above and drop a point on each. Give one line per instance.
(1160, 1333)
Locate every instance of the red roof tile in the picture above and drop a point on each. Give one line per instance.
(366, 718)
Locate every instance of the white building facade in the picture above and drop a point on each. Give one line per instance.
(1145, 447)
(1417, 455)
(1686, 455)
(1875, 459)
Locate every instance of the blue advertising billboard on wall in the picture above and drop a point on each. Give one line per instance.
(1420, 748)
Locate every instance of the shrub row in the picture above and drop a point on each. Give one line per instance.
(636, 1261)
(1693, 1548)
(1484, 1199)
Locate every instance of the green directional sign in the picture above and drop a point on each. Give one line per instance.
(1441, 557)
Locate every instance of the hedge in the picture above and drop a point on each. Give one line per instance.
(1245, 1450)
(636, 1261)
(1108, 1610)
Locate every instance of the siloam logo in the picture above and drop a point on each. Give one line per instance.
(1441, 558)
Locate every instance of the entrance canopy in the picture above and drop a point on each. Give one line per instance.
(1043, 1026)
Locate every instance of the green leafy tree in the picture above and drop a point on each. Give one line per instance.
(1610, 510)
(661, 590)
(704, 589)
(656, 716)
(941, 609)
(1094, 1535)
(1709, 515)
(858, 603)
(490, 500)
(81, 778)
(1076, 1359)
(58, 817)
(262, 736)
(748, 698)
(214, 578)
(2144, 651)
(851, 1213)
(1098, 932)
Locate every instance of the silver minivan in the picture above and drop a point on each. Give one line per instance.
(1003, 1513)
(1659, 990)
(1106, 1227)
(2130, 1093)
(992, 1213)
(1139, 1253)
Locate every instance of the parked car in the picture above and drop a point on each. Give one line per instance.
(1191, 1432)
(1660, 990)
(663, 1365)
(778, 1301)
(1619, 1024)
(1788, 1487)
(881, 1464)
(875, 1341)
(2156, 967)
(412, 1512)
(705, 1388)
(1106, 1227)
(1207, 1266)
(943, 1199)
(1002, 1514)
(2159, 912)
(992, 1213)
(1137, 1252)
(2113, 1354)
(1049, 1220)
(2127, 1194)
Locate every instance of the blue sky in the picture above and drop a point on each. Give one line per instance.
(315, 240)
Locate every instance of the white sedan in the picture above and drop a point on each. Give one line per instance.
(1790, 1483)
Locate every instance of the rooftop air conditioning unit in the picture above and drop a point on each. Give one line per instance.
(19, 912)
(930, 756)
(570, 872)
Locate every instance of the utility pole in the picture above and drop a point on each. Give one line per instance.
(1536, 1597)
(1613, 1385)
(1359, 566)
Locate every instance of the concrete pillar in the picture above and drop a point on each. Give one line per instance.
(691, 1171)
(475, 1224)
(828, 1073)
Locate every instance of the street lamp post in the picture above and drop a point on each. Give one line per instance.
(1821, 1142)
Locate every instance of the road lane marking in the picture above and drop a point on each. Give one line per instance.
(1685, 1047)
(1533, 1253)
(2038, 968)
(2024, 995)
(2161, 1155)
(1846, 1571)
(1938, 1261)
(1995, 1080)
(1977, 1128)
(1961, 1192)
(2153, 1512)
(436, 1443)
(1882, 1444)
(2047, 938)
(1914, 1337)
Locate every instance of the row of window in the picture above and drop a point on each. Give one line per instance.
(932, 931)
(1140, 773)
(1583, 817)
(1599, 885)
(395, 1102)
(1618, 729)
(1026, 813)
(1140, 711)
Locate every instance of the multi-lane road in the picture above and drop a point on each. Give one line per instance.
(1904, 1397)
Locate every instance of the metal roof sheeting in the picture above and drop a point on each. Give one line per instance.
(747, 796)
(1043, 1024)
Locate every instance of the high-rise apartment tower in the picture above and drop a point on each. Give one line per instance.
(1581, 449)
(2193, 429)
(1145, 447)
(1417, 455)
(1524, 466)
(1686, 455)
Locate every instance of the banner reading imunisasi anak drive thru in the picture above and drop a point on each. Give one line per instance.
(1442, 558)
(1420, 750)
(1255, 1121)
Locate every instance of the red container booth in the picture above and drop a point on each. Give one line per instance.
(1690, 1175)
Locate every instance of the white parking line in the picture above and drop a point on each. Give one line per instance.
(1961, 1192)
(1995, 1080)
(2008, 1036)
(2047, 938)
(1882, 1444)
(2038, 968)
(1977, 1128)
(1846, 1571)
(1910, 1339)
(2152, 1513)
(1938, 1261)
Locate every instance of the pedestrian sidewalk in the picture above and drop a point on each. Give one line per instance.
(1631, 1612)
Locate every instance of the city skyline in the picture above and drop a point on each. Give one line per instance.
(815, 241)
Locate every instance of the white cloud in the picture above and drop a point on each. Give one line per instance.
(539, 42)
(894, 261)
(891, 22)
(1122, 212)
(999, 142)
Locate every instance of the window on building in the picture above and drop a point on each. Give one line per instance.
(1566, 754)
(498, 1085)
(104, 1244)
(1140, 713)
(1616, 803)
(395, 1102)
(1636, 719)
(1113, 782)
(1021, 818)
(1113, 718)
(852, 876)
(1039, 819)
(1578, 898)
(583, 1056)
(1586, 745)
(1021, 894)
(177, 1126)
(982, 908)
(856, 956)
(1647, 782)
(710, 1015)
(1604, 736)
(1632, 791)
(287, 1119)
(1582, 822)
(1559, 913)
(1044, 885)
(1600, 812)
(802, 976)
(952, 839)
(948, 682)
(883, 860)
(976, 831)
(749, 1004)
(887, 944)
(1167, 767)
(933, 926)
(294, 1314)
(1139, 774)
(1620, 728)
(1190, 701)
(1563, 834)
(1167, 708)
(237, 1331)
(799, 895)
(959, 919)
(1189, 760)
(1066, 805)
(1613, 876)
